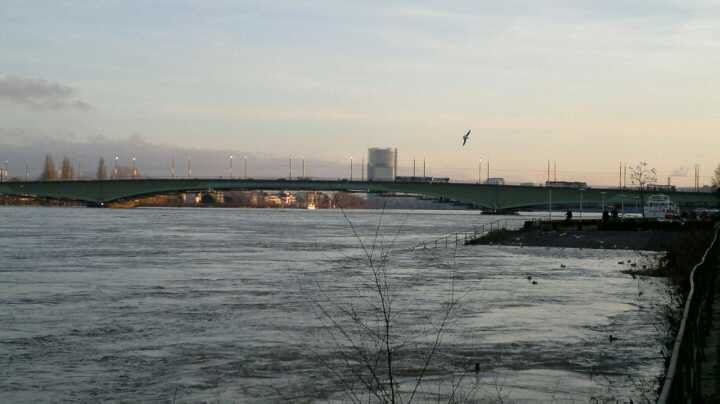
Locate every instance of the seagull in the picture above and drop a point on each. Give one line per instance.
(466, 137)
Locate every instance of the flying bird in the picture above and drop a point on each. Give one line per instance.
(466, 137)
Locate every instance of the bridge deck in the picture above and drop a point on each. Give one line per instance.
(494, 197)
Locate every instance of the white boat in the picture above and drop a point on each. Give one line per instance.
(660, 207)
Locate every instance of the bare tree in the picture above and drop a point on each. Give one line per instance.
(48, 173)
(716, 177)
(365, 332)
(642, 176)
(66, 170)
(102, 170)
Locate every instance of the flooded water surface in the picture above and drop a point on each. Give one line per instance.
(225, 305)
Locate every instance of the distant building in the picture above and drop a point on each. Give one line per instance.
(382, 164)
(288, 199)
(273, 201)
(495, 181)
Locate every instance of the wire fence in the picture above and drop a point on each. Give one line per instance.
(682, 380)
(452, 240)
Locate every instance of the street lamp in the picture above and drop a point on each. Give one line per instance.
(134, 170)
(362, 169)
(602, 194)
(245, 161)
(582, 190)
(231, 168)
(115, 168)
(351, 168)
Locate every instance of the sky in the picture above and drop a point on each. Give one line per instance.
(587, 84)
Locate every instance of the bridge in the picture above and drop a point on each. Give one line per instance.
(485, 196)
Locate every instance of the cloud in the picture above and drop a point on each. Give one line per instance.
(39, 94)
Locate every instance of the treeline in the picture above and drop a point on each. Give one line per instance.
(49, 173)
(67, 171)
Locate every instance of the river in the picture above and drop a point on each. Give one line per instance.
(221, 305)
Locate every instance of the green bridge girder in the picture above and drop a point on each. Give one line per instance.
(495, 197)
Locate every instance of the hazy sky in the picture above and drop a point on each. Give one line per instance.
(584, 82)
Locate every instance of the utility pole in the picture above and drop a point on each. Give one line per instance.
(290, 167)
(424, 172)
(555, 170)
(27, 172)
(189, 167)
(245, 161)
(351, 168)
(488, 171)
(413, 167)
(172, 167)
(625, 176)
(548, 173)
(303, 167)
(620, 176)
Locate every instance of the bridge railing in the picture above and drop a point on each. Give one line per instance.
(682, 380)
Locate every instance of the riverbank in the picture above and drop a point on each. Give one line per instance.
(628, 235)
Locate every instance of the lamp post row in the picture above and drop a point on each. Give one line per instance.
(4, 170)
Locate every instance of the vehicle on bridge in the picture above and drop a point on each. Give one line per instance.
(495, 181)
(424, 180)
(660, 188)
(412, 178)
(567, 184)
